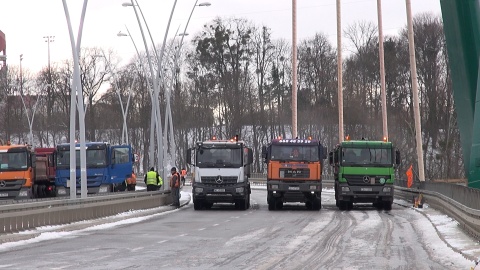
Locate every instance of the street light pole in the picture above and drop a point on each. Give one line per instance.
(21, 78)
(77, 104)
(168, 116)
(49, 39)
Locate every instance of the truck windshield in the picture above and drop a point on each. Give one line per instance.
(367, 156)
(96, 158)
(307, 153)
(219, 157)
(13, 161)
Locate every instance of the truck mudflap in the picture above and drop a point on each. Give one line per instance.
(308, 192)
(207, 195)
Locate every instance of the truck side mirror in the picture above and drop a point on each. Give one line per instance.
(264, 153)
(397, 157)
(250, 155)
(322, 152)
(330, 158)
(34, 160)
(189, 156)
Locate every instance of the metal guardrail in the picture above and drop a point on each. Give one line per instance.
(459, 202)
(19, 217)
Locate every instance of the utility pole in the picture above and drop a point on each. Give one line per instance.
(416, 105)
(294, 69)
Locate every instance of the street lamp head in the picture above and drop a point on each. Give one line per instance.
(126, 4)
(120, 34)
(204, 4)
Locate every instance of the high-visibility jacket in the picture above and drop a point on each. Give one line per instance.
(175, 180)
(159, 181)
(151, 178)
(184, 173)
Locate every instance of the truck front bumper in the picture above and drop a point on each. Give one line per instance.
(365, 194)
(227, 194)
(294, 191)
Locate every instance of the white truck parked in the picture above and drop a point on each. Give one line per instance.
(220, 172)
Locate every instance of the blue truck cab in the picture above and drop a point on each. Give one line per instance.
(108, 166)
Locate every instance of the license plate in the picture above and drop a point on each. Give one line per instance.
(219, 190)
(366, 189)
(294, 188)
(3, 194)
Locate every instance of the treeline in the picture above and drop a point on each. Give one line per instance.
(234, 78)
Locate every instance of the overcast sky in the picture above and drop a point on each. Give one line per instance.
(26, 22)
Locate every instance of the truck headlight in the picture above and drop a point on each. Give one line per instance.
(274, 186)
(62, 191)
(313, 187)
(103, 189)
(387, 189)
(23, 193)
(198, 190)
(239, 189)
(345, 189)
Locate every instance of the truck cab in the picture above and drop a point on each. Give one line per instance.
(108, 167)
(364, 173)
(17, 163)
(294, 172)
(221, 169)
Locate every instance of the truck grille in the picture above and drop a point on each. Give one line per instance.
(295, 173)
(365, 180)
(219, 180)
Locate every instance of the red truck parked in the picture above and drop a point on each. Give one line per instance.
(44, 183)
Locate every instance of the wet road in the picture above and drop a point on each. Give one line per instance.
(225, 238)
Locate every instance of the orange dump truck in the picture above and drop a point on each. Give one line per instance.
(294, 172)
(25, 174)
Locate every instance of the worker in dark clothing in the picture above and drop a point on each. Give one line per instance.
(151, 180)
(175, 186)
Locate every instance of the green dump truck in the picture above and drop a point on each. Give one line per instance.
(364, 173)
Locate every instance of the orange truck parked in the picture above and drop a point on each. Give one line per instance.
(24, 174)
(294, 172)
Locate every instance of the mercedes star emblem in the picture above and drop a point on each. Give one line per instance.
(219, 180)
(366, 179)
(3, 184)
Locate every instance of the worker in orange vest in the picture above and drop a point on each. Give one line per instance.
(131, 182)
(183, 174)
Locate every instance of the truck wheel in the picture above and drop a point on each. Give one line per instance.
(342, 205)
(197, 205)
(337, 202)
(387, 206)
(349, 206)
(317, 203)
(241, 204)
(208, 205)
(279, 204)
(271, 206)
